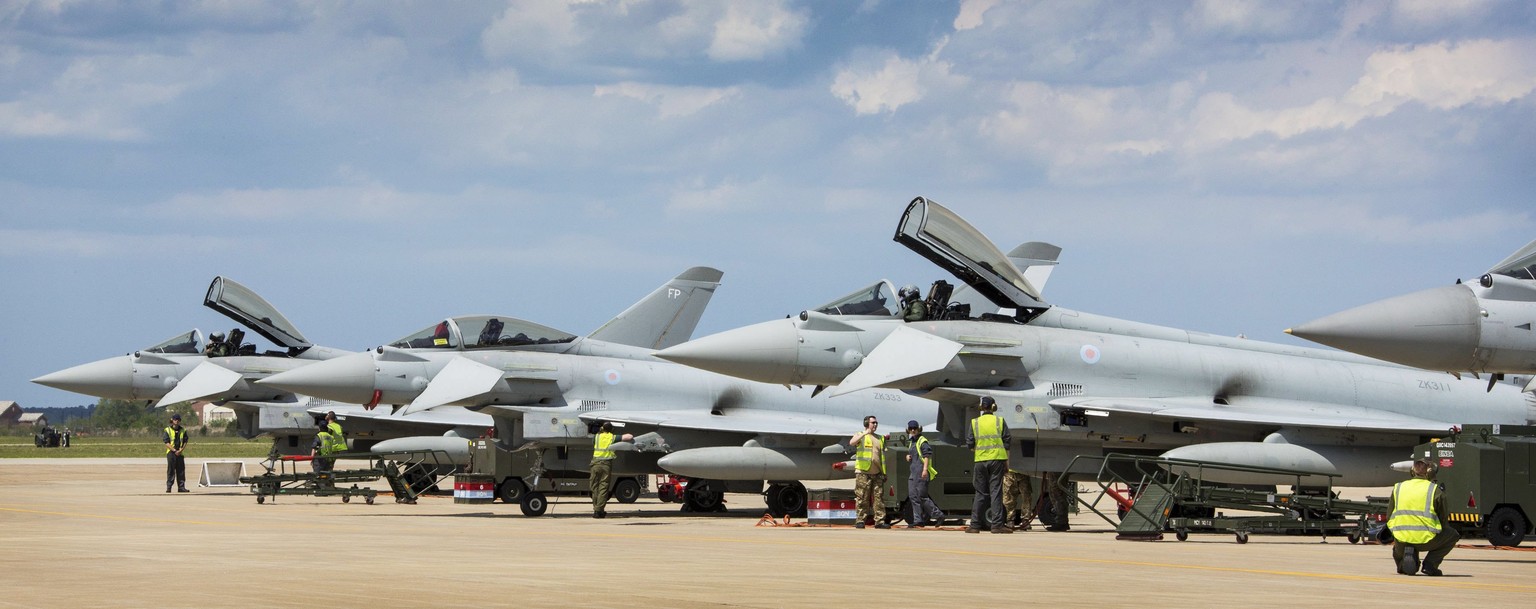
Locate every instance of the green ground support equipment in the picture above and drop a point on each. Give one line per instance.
(1489, 476)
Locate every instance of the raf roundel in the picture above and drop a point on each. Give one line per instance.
(612, 377)
(1090, 354)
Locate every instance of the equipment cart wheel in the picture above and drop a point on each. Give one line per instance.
(1183, 535)
(1506, 527)
(626, 490)
(511, 490)
(369, 500)
(260, 499)
(1354, 536)
(534, 504)
(346, 499)
(1242, 537)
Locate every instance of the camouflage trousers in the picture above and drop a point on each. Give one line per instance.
(600, 475)
(1018, 494)
(867, 491)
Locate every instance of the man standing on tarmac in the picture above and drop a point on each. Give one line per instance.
(600, 474)
(323, 447)
(175, 438)
(924, 511)
(869, 475)
(338, 441)
(1018, 497)
(1418, 522)
(988, 436)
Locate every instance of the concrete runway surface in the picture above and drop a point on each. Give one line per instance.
(101, 533)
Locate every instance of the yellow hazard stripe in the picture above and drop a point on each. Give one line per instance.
(1463, 517)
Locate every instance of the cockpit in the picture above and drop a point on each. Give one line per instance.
(181, 343)
(1520, 265)
(482, 332)
(876, 300)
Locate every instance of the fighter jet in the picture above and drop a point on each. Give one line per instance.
(1071, 383)
(1482, 327)
(724, 433)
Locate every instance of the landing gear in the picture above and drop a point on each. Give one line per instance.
(786, 499)
(702, 497)
(534, 504)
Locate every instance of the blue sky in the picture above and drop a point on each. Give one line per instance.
(1226, 166)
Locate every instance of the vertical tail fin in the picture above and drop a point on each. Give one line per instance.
(667, 316)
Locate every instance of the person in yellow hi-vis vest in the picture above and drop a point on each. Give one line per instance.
(924, 511)
(869, 475)
(988, 436)
(1418, 522)
(175, 438)
(600, 474)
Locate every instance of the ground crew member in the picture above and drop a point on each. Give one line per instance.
(1058, 501)
(175, 438)
(338, 441)
(1417, 522)
(322, 448)
(988, 436)
(600, 473)
(869, 475)
(1018, 498)
(924, 510)
(912, 307)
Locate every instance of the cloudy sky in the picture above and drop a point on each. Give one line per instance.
(1226, 166)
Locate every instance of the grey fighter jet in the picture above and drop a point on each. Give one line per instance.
(1482, 328)
(1071, 383)
(724, 433)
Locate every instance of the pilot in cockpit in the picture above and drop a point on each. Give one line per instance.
(912, 307)
(492, 332)
(216, 346)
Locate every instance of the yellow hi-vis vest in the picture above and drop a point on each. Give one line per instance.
(866, 454)
(327, 445)
(1413, 517)
(917, 450)
(338, 442)
(600, 445)
(178, 438)
(988, 431)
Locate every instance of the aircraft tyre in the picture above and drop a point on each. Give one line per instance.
(786, 499)
(511, 490)
(700, 498)
(1506, 527)
(626, 490)
(534, 504)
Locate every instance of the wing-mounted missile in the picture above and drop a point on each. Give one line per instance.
(454, 448)
(753, 463)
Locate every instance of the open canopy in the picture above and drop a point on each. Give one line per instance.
(949, 241)
(252, 311)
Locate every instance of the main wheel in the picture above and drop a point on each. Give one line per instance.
(786, 499)
(1505, 527)
(626, 490)
(534, 504)
(511, 490)
(703, 499)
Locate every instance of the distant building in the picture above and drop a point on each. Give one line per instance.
(33, 419)
(211, 413)
(10, 413)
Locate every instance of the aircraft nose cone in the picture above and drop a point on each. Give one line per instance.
(1435, 329)
(765, 352)
(110, 378)
(349, 378)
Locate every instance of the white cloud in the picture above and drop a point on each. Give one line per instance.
(533, 26)
(726, 195)
(1442, 76)
(670, 102)
(96, 98)
(887, 85)
(754, 30)
(972, 13)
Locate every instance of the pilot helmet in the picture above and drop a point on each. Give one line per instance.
(217, 337)
(907, 291)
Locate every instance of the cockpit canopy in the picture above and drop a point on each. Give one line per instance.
(1520, 265)
(877, 300)
(188, 342)
(482, 332)
(252, 311)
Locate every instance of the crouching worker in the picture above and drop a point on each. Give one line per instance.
(1418, 522)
